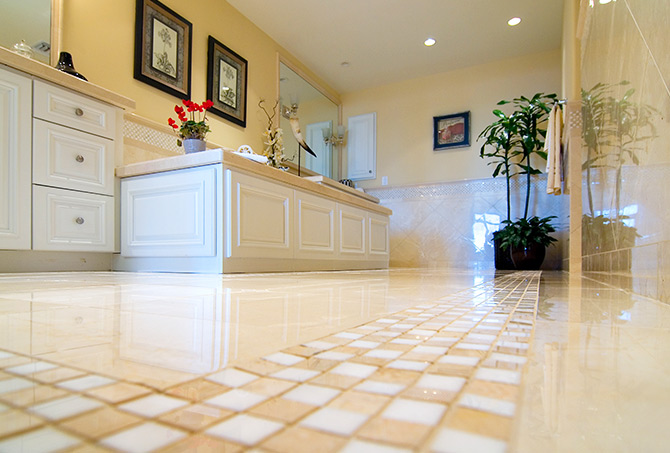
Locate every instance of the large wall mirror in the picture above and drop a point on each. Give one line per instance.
(318, 114)
(33, 21)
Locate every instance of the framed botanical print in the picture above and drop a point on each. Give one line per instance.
(227, 83)
(163, 48)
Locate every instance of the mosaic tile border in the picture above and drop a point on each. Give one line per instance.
(433, 377)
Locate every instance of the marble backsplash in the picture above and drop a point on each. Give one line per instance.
(450, 224)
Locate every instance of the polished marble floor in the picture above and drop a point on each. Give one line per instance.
(388, 361)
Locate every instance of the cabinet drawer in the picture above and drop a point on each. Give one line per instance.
(70, 159)
(74, 110)
(68, 220)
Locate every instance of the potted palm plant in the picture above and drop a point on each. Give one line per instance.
(516, 139)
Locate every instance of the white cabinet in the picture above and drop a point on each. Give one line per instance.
(63, 144)
(73, 171)
(214, 218)
(362, 147)
(171, 214)
(15, 158)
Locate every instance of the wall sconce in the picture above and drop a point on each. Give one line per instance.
(331, 139)
(288, 112)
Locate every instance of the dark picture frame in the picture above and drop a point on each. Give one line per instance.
(451, 131)
(227, 82)
(163, 48)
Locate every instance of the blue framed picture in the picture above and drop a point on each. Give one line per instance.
(451, 131)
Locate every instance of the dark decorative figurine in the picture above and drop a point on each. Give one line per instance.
(65, 64)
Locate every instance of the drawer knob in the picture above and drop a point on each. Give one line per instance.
(79, 112)
(79, 158)
(79, 220)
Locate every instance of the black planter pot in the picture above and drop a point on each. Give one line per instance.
(503, 259)
(528, 258)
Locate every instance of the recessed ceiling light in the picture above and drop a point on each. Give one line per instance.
(604, 2)
(514, 21)
(429, 42)
(344, 64)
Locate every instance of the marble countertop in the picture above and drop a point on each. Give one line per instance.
(46, 72)
(229, 159)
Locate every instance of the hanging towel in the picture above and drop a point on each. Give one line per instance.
(552, 146)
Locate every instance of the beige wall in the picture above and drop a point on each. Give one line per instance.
(100, 35)
(405, 114)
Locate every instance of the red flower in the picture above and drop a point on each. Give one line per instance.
(172, 123)
(178, 109)
(187, 102)
(182, 116)
(207, 104)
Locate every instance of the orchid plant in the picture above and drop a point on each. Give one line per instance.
(274, 142)
(193, 120)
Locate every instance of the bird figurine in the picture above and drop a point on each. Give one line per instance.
(295, 126)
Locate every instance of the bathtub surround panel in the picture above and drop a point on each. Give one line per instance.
(638, 193)
(450, 224)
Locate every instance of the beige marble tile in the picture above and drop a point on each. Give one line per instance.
(101, 423)
(304, 440)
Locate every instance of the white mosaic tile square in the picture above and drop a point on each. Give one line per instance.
(496, 375)
(321, 345)
(146, 437)
(433, 350)
(455, 441)
(245, 429)
(332, 355)
(348, 335)
(65, 407)
(237, 400)
(232, 378)
(363, 344)
(439, 382)
(30, 368)
(14, 385)
(414, 411)
(512, 345)
(481, 337)
(360, 446)
(153, 405)
(336, 421)
(459, 360)
(410, 341)
(85, 383)
(283, 359)
(42, 440)
(483, 403)
(5, 355)
(382, 388)
(411, 365)
(311, 394)
(383, 354)
(295, 374)
(474, 346)
(387, 321)
(354, 369)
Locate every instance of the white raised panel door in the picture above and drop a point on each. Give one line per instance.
(378, 240)
(362, 147)
(71, 159)
(72, 221)
(170, 214)
(260, 217)
(315, 226)
(352, 232)
(15, 160)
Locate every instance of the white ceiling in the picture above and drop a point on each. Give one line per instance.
(383, 39)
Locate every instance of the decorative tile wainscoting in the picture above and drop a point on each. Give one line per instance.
(450, 224)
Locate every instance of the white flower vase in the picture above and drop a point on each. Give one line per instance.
(193, 145)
